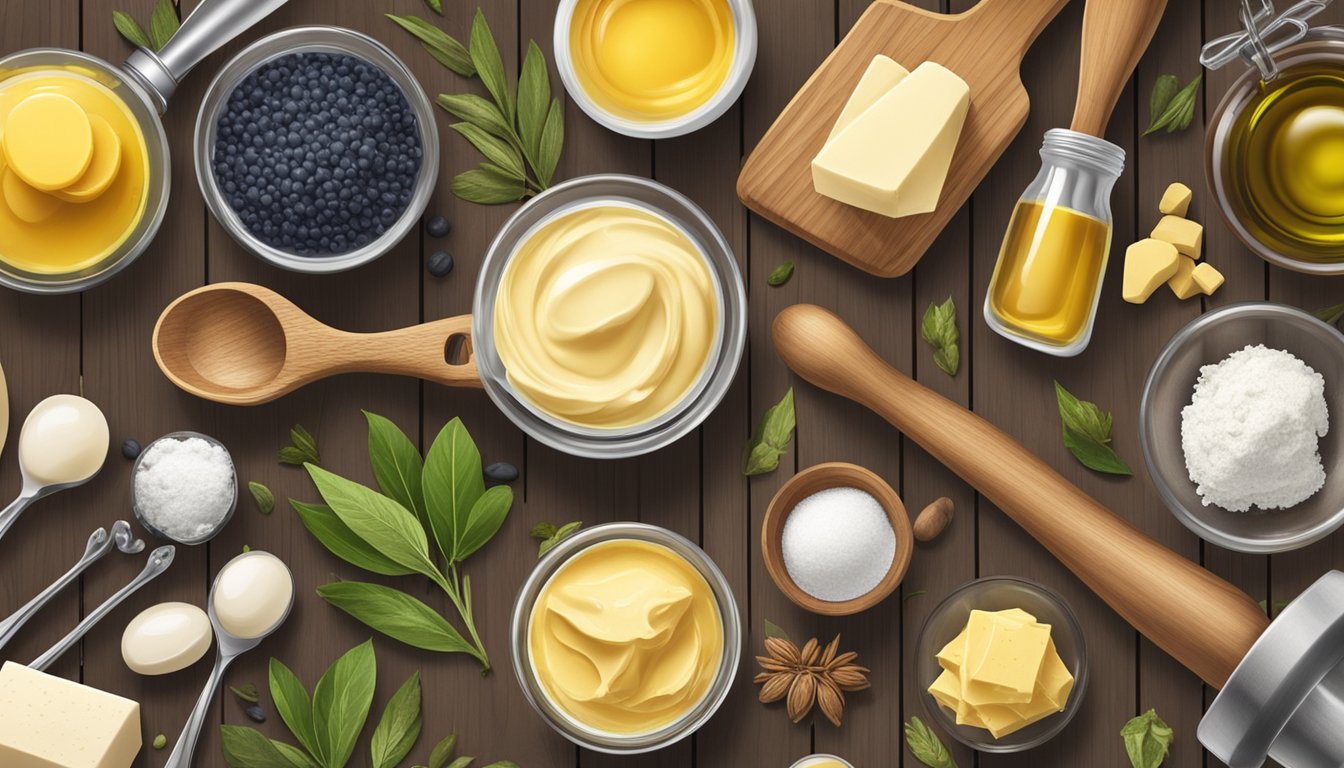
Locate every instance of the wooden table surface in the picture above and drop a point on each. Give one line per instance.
(98, 344)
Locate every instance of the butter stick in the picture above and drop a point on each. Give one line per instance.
(50, 722)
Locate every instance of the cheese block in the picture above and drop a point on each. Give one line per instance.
(1207, 278)
(1183, 282)
(1176, 200)
(1186, 235)
(882, 75)
(893, 158)
(50, 722)
(1148, 264)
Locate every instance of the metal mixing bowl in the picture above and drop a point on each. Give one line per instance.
(1208, 340)
(317, 39)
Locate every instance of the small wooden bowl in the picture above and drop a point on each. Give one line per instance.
(820, 478)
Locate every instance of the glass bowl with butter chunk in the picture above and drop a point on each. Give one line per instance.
(1002, 663)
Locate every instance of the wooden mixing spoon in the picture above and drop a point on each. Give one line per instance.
(1114, 31)
(242, 344)
(1202, 621)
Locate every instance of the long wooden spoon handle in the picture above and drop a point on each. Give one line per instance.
(440, 351)
(1115, 35)
(1202, 621)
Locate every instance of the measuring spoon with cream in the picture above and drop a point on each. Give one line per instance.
(252, 596)
(63, 444)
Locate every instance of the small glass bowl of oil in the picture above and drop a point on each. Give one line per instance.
(1275, 157)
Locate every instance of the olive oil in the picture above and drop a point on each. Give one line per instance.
(1285, 163)
(1049, 272)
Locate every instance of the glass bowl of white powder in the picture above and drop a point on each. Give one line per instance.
(184, 487)
(1234, 425)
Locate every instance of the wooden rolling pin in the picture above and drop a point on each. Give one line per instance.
(1202, 621)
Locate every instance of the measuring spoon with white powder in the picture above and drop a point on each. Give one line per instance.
(251, 598)
(63, 444)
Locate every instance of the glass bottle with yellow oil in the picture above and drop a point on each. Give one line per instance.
(1047, 281)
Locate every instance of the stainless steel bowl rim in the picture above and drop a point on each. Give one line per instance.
(135, 508)
(302, 40)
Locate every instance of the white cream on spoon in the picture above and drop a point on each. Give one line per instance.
(4, 410)
(63, 443)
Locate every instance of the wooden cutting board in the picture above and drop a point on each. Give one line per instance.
(984, 46)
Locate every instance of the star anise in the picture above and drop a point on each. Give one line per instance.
(809, 676)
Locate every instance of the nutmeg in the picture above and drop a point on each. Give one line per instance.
(934, 519)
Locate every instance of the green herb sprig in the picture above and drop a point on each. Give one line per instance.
(780, 275)
(925, 745)
(1087, 434)
(443, 500)
(939, 331)
(771, 439)
(549, 535)
(442, 757)
(163, 24)
(1172, 107)
(302, 449)
(519, 130)
(1147, 740)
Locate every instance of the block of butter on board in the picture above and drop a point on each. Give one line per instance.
(50, 722)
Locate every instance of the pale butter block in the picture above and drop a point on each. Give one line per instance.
(1148, 264)
(50, 722)
(882, 75)
(1207, 278)
(1183, 283)
(1012, 657)
(894, 157)
(1176, 200)
(1186, 235)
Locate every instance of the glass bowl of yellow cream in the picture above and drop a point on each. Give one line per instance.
(655, 68)
(626, 638)
(610, 317)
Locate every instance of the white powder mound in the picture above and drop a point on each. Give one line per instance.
(1251, 431)
(838, 544)
(184, 487)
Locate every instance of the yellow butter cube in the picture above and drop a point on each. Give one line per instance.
(1207, 278)
(1183, 283)
(882, 75)
(1055, 680)
(1012, 656)
(1176, 200)
(946, 690)
(1148, 264)
(50, 722)
(1186, 235)
(950, 657)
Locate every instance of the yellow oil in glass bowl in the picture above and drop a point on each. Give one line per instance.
(652, 60)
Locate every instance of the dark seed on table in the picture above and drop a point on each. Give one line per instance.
(130, 449)
(255, 713)
(440, 264)
(438, 226)
(501, 472)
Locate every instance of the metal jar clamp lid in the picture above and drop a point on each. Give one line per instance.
(1264, 35)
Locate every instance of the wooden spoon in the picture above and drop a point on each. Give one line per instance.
(1202, 621)
(242, 344)
(1114, 31)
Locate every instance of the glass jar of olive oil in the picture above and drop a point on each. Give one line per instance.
(1045, 286)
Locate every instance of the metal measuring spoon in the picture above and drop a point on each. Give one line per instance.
(59, 419)
(100, 543)
(125, 539)
(159, 560)
(228, 647)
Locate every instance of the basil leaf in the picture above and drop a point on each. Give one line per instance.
(163, 23)
(489, 65)
(495, 150)
(395, 614)
(382, 523)
(435, 6)
(1083, 417)
(443, 752)
(488, 187)
(1093, 454)
(1164, 88)
(396, 465)
(303, 440)
(342, 542)
(480, 112)
(484, 520)
(341, 702)
(939, 330)
(925, 745)
(1146, 739)
(399, 727)
(534, 99)
(780, 275)
(247, 693)
(292, 456)
(542, 531)
(452, 483)
(296, 757)
(1180, 110)
(559, 535)
(771, 439)
(263, 496)
(291, 701)
(461, 762)
(247, 748)
(552, 141)
(130, 29)
(443, 47)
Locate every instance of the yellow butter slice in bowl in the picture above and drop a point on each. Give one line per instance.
(103, 167)
(48, 141)
(28, 204)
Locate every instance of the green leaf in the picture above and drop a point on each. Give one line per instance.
(452, 483)
(534, 100)
(130, 29)
(551, 143)
(1164, 88)
(488, 187)
(502, 764)
(771, 439)
(772, 629)
(341, 703)
(342, 542)
(395, 614)
(484, 520)
(247, 692)
(297, 757)
(303, 440)
(495, 150)
(1180, 110)
(478, 111)
(780, 275)
(461, 762)
(163, 23)
(1331, 315)
(445, 48)
(925, 745)
(1147, 739)
(265, 499)
(396, 465)
(939, 331)
(443, 752)
(291, 456)
(1094, 455)
(399, 727)
(489, 65)
(291, 701)
(435, 6)
(1086, 430)
(560, 534)
(542, 531)
(380, 522)
(247, 748)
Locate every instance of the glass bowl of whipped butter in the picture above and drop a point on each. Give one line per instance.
(610, 317)
(626, 638)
